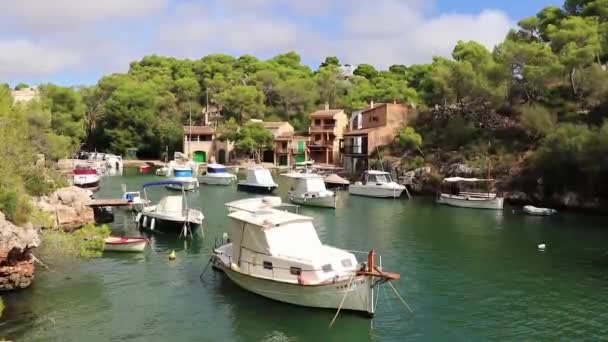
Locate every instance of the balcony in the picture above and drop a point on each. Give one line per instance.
(320, 144)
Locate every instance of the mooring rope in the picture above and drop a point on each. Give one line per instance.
(342, 302)
(41, 263)
(399, 296)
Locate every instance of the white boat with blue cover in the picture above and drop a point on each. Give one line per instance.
(171, 214)
(184, 176)
(216, 174)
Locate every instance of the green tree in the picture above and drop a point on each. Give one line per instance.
(67, 111)
(366, 70)
(330, 61)
(242, 102)
(21, 86)
(254, 138)
(538, 120)
(408, 138)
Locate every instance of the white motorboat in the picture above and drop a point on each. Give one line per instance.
(86, 177)
(259, 180)
(466, 193)
(278, 255)
(216, 174)
(184, 176)
(171, 214)
(531, 210)
(124, 244)
(376, 184)
(162, 171)
(309, 189)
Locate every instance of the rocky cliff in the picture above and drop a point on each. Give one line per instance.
(16, 261)
(67, 207)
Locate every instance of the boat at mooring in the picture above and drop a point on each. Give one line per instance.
(309, 189)
(86, 177)
(259, 180)
(468, 193)
(216, 174)
(532, 210)
(136, 202)
(376, 184)
(125, 244)
(278, 255)
(184, 176)
(171, 214)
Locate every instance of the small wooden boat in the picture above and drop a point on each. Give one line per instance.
(531, 210)
(125, 244)
(144, 168)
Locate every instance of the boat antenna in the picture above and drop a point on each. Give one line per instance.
(189, 127)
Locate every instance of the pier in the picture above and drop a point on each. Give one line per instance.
(109, 202)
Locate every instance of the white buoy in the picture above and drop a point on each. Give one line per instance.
(225, 238)
(542, 246)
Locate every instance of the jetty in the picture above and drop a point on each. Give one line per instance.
(109, 202)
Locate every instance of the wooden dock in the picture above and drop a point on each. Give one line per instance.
(108, 202)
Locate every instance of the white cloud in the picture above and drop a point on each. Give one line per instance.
(51, 15)
(41, 38)
(27, 59)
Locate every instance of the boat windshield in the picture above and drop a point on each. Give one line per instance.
(383, 178)
(216, 170)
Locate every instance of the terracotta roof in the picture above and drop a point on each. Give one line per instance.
(326, 113)
(200, 130)
(360, 131)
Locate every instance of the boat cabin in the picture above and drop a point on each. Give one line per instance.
(259, 175)
(216, 168)
(307, 182)
(182, 172)
(282, 246)
(459, 187)
(378, 177)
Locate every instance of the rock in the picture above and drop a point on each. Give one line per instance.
(16, 262)
(68, 207)
(462, 170)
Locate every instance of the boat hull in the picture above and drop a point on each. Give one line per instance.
(256, 189)
(362, 190)
(153, 222)
(323, 202)
(534, 211)
(132, 245)
(227, 180)
(495, 203)
(324, 296)
(187, 184)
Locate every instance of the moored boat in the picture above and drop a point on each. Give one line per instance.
(184, 176)
(309, 189)
(85, 177)
(466, 193)
(171, 214)
(259, 180)
(334, 181)
(136, 202)
(216, 174)
(376, 184)
(532, 210)
(278, 255)
(124, 244)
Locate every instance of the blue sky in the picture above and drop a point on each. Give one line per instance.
(75, 42)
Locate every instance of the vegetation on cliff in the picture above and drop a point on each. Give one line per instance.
(86, 242)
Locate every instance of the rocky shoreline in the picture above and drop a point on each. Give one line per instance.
(66, 209)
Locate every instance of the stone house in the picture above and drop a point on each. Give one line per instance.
(326, 130)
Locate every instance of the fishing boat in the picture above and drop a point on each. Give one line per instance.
(171, 214)
(334, 181)
(376, 184)
(278, 255)
(85, 177)
(144, 168)
(136, 202)
(532, 210)
(309, 189)
(124, 244)
(469, 193)
(259, 180)
(184, 176)
(216, 174)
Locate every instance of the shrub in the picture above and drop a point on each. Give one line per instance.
(537, 120)
(87, 242)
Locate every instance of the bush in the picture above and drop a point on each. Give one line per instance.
(537, 120)
(87, 242)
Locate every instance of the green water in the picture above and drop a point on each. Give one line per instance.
(467, 274)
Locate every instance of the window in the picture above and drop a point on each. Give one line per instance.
(295, 270)
(317, 122)
(284, 145)
(317, 137)
(347, 263)
(327, 268)
(374, 119)
(267, 265)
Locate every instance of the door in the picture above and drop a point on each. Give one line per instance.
(199, 156)
(300, 147)
(221, 156)
(299, 158)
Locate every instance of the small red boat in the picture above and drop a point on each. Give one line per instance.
(125, 244)
(144, 168)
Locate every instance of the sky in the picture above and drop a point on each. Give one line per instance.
(74, 42)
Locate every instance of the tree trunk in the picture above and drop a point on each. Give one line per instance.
(572, 82)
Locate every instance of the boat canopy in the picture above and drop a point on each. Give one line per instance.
(310, 184)
(216, 169)
(461, 179)
(182, 172)
(162, 183)
(260, 175)
(170, 205)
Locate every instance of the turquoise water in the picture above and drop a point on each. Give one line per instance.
(467, 274)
